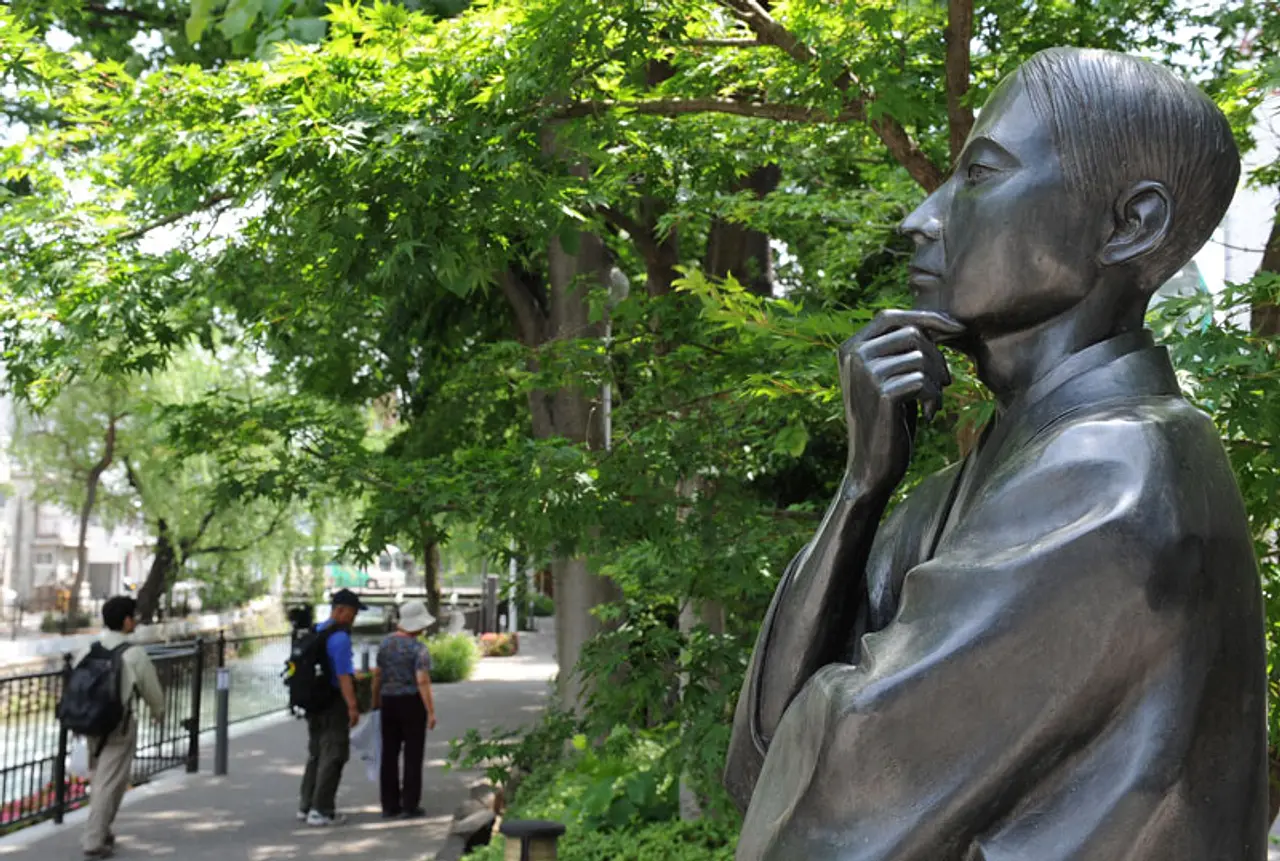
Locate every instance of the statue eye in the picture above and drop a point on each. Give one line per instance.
(977, 173)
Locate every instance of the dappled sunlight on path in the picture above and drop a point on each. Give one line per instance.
(250, 813)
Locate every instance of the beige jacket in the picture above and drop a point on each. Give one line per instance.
(137, 673)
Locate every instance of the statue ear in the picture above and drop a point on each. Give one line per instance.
(1143, 213)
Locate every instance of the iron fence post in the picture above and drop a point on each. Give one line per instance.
(197, 682)
(60, 764)
(222, 648)
(221, 734)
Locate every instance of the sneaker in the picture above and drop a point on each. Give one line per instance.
(316, 819)
(104, 852)
(415, 813)
(302, 816)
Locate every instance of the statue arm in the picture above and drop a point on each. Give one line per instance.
(887, 371)
(809, 623)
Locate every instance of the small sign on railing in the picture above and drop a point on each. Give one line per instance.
(224, 679)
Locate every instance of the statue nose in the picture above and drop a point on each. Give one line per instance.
(921, 227)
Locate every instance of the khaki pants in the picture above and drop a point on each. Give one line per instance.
(112, 770)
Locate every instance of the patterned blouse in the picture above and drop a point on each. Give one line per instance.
(400, 659)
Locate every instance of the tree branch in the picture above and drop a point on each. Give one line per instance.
(529, 317)
(722, 43)
(186, 545)
(889, 130)
(683, 107)
(767, 28)
(226, 549)
(639, 235)
(959, 35)
(202, 206)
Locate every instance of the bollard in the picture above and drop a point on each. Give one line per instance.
(221, 741)
(531, 839)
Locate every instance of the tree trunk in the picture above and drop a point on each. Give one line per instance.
(573, 416)
(571, 413)
(959, 34)
(163, 564)
(733, 249)
(1265, 317)
(86, 511)
(431, 577)
(694, 614)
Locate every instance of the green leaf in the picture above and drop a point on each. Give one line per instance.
(198, 20)
(570, 240)
(308, 30)
(793, 439)
(239, 15)
(580, 742)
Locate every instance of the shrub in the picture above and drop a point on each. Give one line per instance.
(543, 605)
(453, 657)
(51, 624)
(705, 840)
(499, 645)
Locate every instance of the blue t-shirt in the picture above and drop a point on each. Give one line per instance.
(341, 658)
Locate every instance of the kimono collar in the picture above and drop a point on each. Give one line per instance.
(1120, 368)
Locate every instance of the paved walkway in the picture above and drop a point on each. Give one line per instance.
(250, 813)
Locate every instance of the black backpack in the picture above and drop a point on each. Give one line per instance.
(307, 671)
(92, 704)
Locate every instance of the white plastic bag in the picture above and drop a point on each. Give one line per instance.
(366, 743)
(78, 758)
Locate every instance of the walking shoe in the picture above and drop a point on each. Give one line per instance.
(415, 813)
(302, 816)
(316, 819)
(104, 852)
(391, 814)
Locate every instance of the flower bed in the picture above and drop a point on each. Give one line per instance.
(38, 802)
(499, 645)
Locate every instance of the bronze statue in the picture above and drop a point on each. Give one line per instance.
(1053, 650)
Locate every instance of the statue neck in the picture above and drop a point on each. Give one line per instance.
(1010, 362)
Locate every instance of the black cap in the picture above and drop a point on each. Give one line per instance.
(347, 598)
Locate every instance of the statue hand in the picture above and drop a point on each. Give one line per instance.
(887, 371)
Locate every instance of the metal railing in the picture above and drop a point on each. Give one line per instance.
(34, 747)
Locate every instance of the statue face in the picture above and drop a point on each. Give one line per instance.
(1003, 245)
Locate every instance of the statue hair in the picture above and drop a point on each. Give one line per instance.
(1118, 120)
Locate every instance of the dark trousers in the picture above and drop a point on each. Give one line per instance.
(329, 739)
(404, 730)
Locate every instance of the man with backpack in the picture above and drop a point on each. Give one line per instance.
(97, 704)
(321, 679)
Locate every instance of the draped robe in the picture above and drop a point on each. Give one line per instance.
(1057, 652)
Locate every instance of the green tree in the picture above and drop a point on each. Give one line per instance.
(68, 449)
(437, 213)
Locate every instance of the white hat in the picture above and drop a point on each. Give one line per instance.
(415, 617)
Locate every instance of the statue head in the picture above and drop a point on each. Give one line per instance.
(1089, 179)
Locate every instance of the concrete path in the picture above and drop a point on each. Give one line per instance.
(249, 814)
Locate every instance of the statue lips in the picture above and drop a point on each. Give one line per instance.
(926, 285)
(920, 277)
